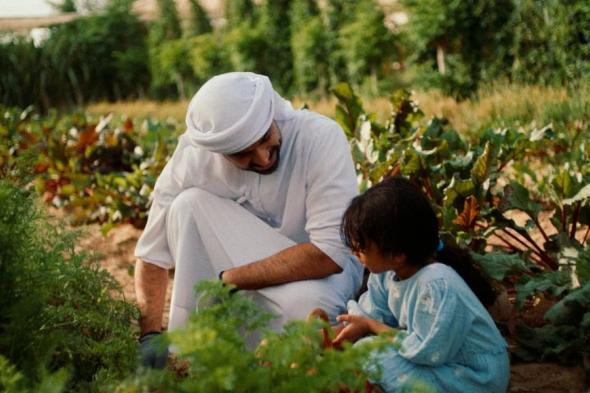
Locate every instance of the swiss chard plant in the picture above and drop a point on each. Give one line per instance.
(522, 193)
(100, 170)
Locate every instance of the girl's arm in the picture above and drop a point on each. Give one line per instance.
(358, 326)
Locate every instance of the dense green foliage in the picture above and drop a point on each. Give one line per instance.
(111, 55)
(213, 355)
(365, 44)
(99, 57)
(60, 314)
(104, 170)
(517, 196)
(200, 23)
(308, 44)
(459, 44)
(306, 47)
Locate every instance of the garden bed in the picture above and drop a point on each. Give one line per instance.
(117, 257)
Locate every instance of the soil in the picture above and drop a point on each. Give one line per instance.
(115, 252)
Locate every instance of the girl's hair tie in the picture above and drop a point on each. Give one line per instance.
(440, 246)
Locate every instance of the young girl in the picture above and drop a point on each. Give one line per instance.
(430, 292)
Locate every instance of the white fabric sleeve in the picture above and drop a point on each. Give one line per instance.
(331, 184)
(152, 246)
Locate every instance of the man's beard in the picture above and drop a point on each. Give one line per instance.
(275, 165)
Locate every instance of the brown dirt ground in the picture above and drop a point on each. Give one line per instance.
(116, 256)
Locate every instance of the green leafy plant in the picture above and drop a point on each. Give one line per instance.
(215, 356)
(100, 170)
(60, 311)
(523, 192)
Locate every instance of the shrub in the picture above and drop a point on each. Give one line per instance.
(102, 56)
(58, 310)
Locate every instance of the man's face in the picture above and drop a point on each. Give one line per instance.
(263, 156)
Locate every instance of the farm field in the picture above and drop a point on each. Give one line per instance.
(117, 249)
(484, 106)
(95, 169)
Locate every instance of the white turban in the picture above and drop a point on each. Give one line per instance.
(232, 111)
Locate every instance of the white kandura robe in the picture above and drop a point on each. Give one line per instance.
(207, 216)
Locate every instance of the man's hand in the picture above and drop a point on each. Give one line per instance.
(153, 351)
(300, 262)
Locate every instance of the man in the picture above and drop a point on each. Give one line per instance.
(253, 194)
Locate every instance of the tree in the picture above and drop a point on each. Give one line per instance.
(167, 26)
(335, 15)
(462, 41)
(551, 41)
(238, 11)
(308, 45)
(276, 59)
(365, 42)
(64, 5)
(200, 23)
(172, 74)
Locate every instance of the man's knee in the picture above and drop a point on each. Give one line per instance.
(301, 302)
(188, 200)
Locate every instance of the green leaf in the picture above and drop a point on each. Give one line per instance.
(418, 147)
(582, 195)
(462, 161)
(412, 163)
(555, 283)
(570, 310)
(517, 197)
(67, 190)
(539, 134)
(583, 266)
(349, 108)
(563, 184)
(498, 265)
(548, 342)
(481, 167)
(54, 383)
(457, 187)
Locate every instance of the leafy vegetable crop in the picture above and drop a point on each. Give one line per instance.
(522, 193)
(100, 170)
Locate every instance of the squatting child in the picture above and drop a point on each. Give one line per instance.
(429, 291)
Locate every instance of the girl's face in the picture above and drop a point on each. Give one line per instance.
(377, 263)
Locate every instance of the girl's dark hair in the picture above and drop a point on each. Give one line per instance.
(397, 217)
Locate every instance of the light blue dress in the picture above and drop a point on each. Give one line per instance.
(449, 341)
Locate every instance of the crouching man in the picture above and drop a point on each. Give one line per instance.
(253, 194)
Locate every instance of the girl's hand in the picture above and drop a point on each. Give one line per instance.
(355, 328)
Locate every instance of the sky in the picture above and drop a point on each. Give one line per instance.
(25, 8)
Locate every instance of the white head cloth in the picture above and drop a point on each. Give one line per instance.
(232, 111)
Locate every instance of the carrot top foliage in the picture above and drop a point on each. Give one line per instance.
(62, 317)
